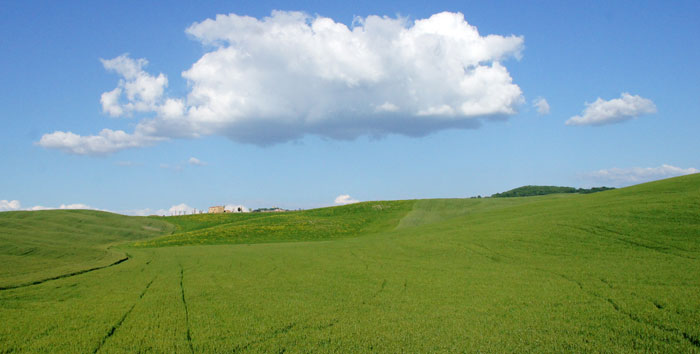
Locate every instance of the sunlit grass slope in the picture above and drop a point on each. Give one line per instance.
(42, 244)
(309, 225)
(616, 271)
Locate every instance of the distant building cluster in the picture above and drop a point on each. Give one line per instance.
(221, 209)
(218, 209)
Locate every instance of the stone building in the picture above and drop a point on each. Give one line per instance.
(216, 209)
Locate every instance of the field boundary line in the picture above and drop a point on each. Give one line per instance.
(677, 331)
(267, 336)
(187, 312)
(624, 238)
(121, 320)
(62, 276)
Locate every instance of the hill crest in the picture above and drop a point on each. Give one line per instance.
(530, 190)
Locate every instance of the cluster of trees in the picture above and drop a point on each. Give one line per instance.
(267, 210)
(526, 191)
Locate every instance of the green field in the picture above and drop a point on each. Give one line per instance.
(615, 271)
(40, 245)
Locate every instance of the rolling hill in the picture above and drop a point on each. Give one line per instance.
(612, 271)
(308, 225)
(39, 245)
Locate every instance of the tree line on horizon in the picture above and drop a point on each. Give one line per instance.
(528, 191)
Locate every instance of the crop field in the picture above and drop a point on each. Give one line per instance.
(36, 246)
(311, 225)
(615, 271)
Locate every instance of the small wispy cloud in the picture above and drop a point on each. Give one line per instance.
(541, 105)
(106, 142)
(176, 168)
(345, 199)
(125, 163)
(602, 112)
(11, 205)
(196, 162)
(180, 209)
(65, 206)
(634, 175)
(144, 212)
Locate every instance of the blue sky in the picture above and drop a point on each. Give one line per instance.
(323, 116)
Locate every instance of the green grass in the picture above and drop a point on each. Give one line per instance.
(310, 225)
(616, 271)
(43, 244)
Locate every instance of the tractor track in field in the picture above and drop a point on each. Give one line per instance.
(62, 276)
(694, 341)
(283, 330)
(381, 288)
(187, 312)
(266, 337)
(488, 253)
(274, 268)
(361, 260)
(322, 327)
(624, 238)
(121, 320)
(661, 247)
(376, 293)
(690, 338)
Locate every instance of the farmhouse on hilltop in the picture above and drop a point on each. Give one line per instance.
(216, 209)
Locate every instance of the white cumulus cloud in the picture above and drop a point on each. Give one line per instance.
(541, 105)
(616, 110)
(634, 175)
(278, 78)
(142, 91)
(7, 205)
(345, 199)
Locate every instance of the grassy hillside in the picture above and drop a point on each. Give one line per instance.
(309, 225)
(43, 244)
(606, 272)
(529, 191)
